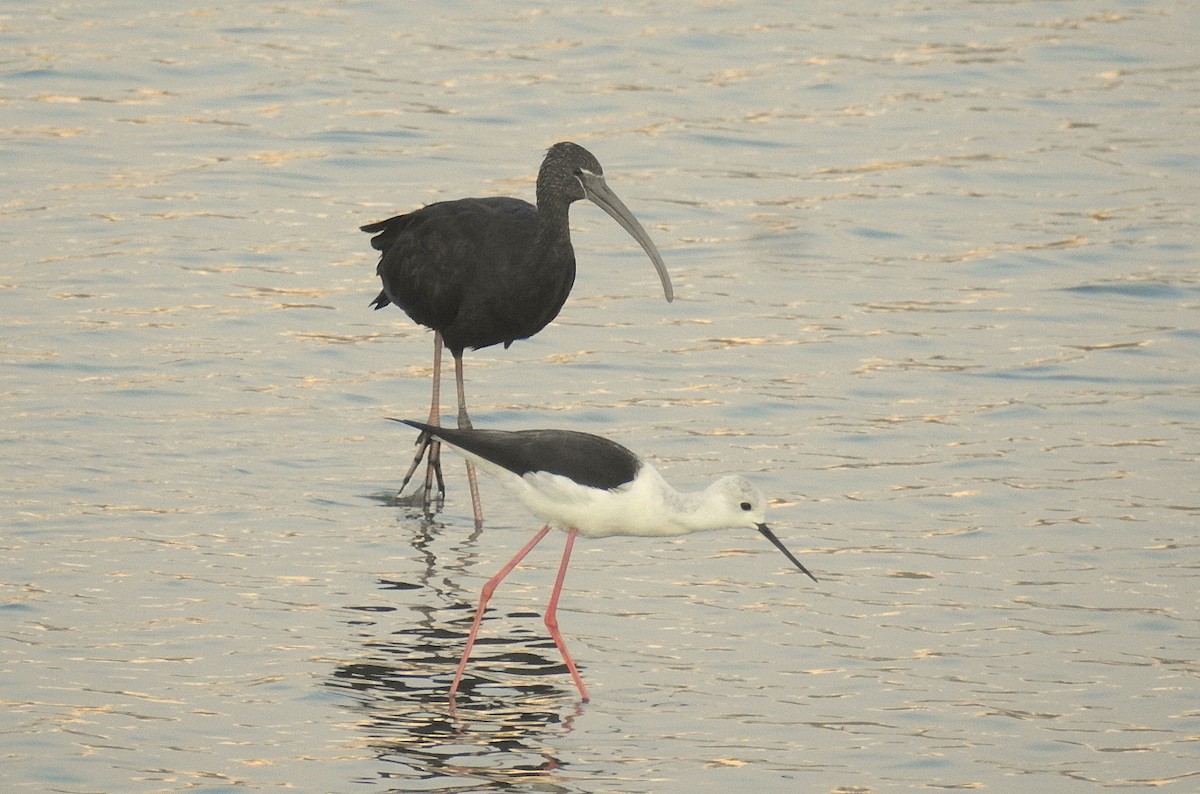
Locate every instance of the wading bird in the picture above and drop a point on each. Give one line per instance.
(486, 271)
(592, 486)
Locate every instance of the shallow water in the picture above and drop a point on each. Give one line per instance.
(938, 297)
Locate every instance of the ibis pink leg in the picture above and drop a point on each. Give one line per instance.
(552, 616)
(427, 444)
(464, 423)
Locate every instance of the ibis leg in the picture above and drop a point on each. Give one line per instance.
(552, 616)
(435, 419)
(464, 423)
(485, 595)
(427, 445)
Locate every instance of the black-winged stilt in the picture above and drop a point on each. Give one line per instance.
(592, 486)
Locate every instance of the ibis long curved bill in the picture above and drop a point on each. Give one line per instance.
(600, 194)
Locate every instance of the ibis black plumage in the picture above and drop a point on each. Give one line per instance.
(488, 271)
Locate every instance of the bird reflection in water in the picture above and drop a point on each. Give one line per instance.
(398, 693)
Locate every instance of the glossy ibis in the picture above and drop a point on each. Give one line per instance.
(486, 271)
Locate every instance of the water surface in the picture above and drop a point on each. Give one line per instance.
(938, 297)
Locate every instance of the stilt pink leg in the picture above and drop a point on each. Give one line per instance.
(464, 423)
(485, 595)
(430, 445)
(551, 617)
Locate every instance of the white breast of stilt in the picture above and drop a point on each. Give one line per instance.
(647, 506)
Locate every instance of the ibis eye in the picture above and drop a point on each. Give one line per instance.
(745, 505)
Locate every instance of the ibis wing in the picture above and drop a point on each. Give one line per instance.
(436, 262)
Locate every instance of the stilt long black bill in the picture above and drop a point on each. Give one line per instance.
(769, 535)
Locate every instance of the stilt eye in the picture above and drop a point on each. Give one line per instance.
(745, 505)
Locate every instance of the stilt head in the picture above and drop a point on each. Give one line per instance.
(735, 502)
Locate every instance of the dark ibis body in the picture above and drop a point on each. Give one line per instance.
(591, 486)
(488, 271)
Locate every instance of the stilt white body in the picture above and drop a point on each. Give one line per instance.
(591, 486)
